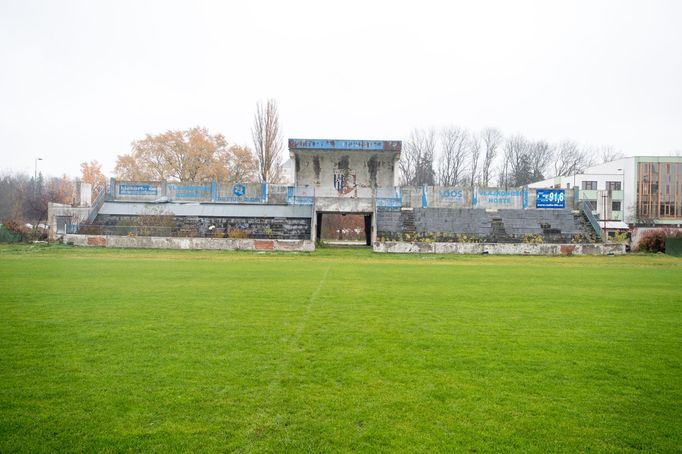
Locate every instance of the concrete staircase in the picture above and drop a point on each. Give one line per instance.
(407, 221)
(502, 226)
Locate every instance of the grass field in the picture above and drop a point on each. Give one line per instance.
(115, 350)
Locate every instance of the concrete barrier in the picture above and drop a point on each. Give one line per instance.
(499, 248)
(155, 242)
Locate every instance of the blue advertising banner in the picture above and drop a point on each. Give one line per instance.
(137, 189)
(326, 144)
(550, 198)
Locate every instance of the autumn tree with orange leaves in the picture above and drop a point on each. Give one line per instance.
(91, 172)
(189, 155)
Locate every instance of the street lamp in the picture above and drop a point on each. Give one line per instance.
(35, 170)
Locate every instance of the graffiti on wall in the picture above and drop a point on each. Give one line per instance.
(345, 181)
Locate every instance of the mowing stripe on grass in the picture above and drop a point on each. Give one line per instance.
(265, 418)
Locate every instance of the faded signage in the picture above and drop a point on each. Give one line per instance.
(137, 189)
(451, 195)
(499, 198)
(238, 189)
(240, 193)
(360, 145)
(189, 191)
(550, 198)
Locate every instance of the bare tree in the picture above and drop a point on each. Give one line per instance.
(492, 138)
(416, 160)
(540, 156)
(267, 141)
(454, 148)
(608, 153)
(474, 158)
(569, 159)
(517, 168)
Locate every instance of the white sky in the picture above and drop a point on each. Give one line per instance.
(80, 80)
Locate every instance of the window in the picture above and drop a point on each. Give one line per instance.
(613, 185)
(592, 204)
(615, 206)
(590, 185)
(659, 190)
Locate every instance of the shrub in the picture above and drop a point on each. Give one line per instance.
(237, 234)
(16, 229)
(11, 232)
(578, 238)
(619, 237)
(532, 238)
(654, 240)
(35, 234)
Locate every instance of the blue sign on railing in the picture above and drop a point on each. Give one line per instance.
(137, 189)
(550, 198)
(361, 145)
(389, 203)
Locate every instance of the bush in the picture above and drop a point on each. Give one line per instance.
(11, 232)
(619, 237)
(35, 234)
(531, 238)
(654, 240)
(237, 234)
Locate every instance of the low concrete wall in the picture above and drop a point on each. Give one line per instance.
(500, 248)
(154, 242)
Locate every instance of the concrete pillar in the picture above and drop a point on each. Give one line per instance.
(83, 194)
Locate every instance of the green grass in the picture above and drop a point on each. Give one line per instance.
(117, 350)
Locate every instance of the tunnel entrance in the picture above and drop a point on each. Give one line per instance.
(344, 229)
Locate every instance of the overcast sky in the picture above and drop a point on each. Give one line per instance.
(81, 80)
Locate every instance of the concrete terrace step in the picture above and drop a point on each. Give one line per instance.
(498, 226)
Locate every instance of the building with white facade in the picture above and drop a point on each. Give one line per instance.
(639, 190)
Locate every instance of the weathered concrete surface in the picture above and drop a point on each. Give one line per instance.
(344, 205)
(206, 210)
(186, 226)
(345, 173)
(151, 242)
(58, 215)
(500, 226)
(500, 248)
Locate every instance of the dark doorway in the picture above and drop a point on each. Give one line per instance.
(368, 230)
(344, 229)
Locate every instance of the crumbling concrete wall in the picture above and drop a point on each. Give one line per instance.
(200, 226)
(59, 216)
(499, 248)
(112, 241)
(491, 226)
(345, 173)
